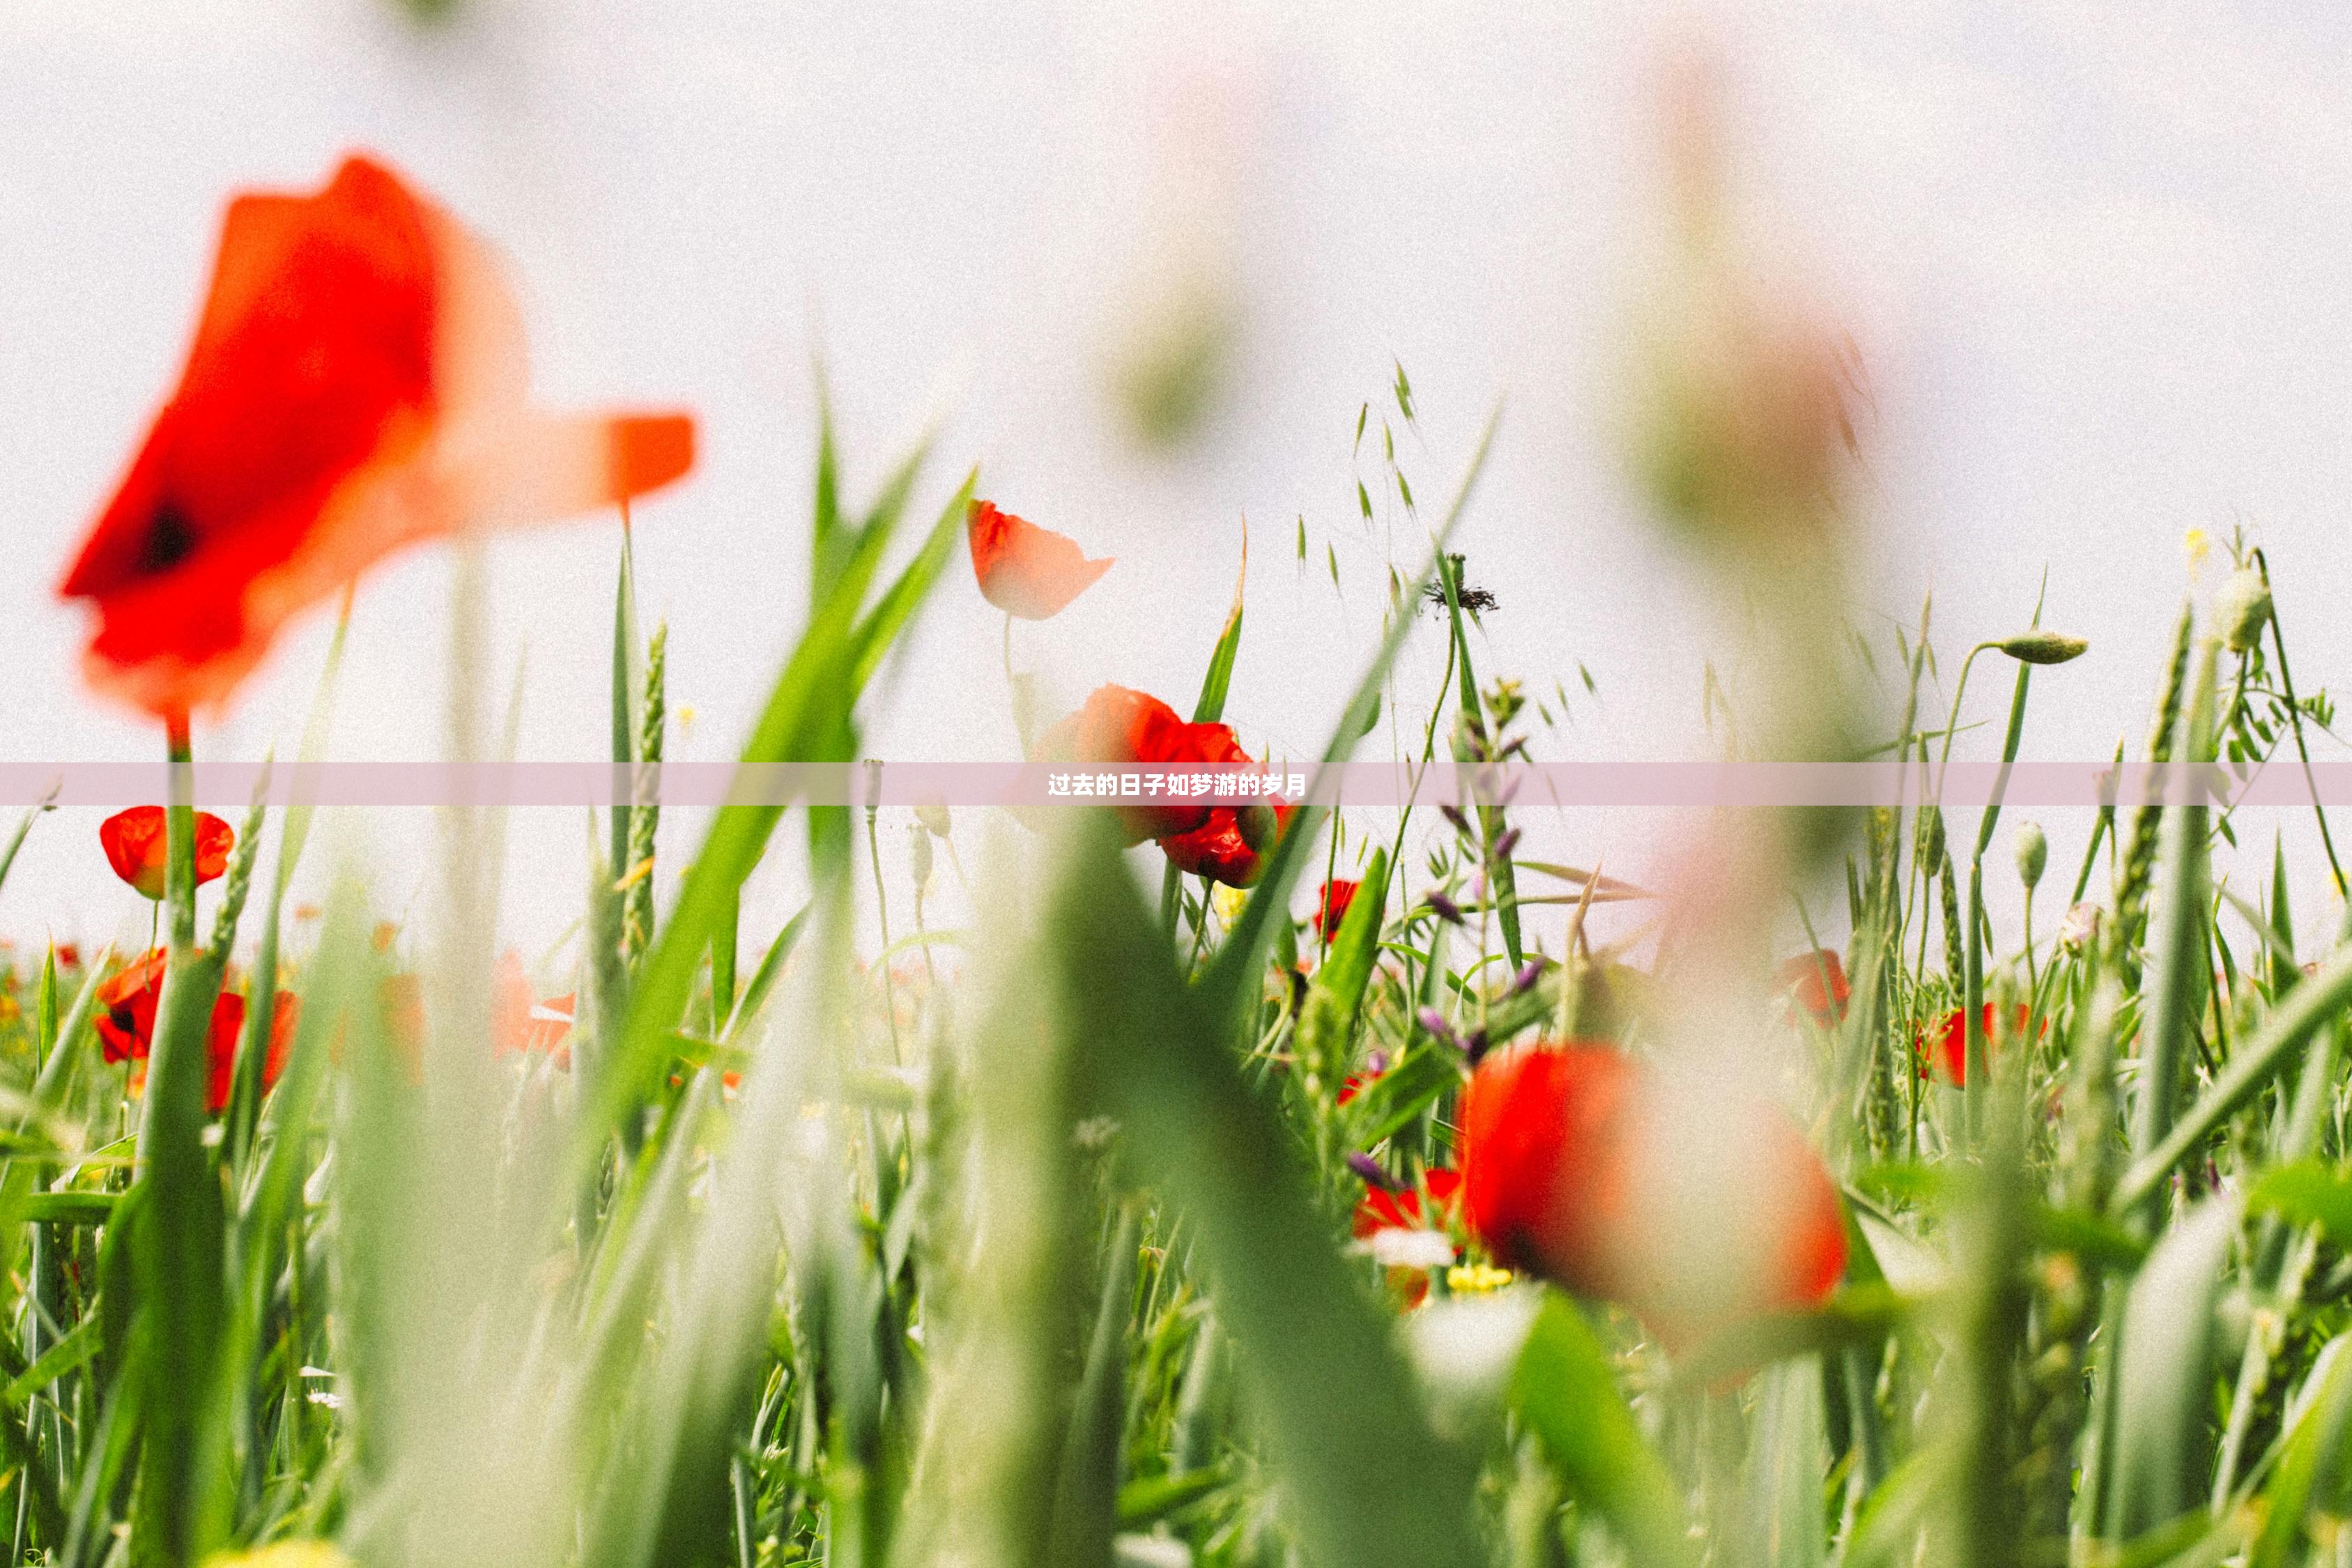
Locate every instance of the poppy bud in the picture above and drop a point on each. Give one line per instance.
(2032, 854)
(919, 851)
(1257, 824)
(2243, 608)
(2043, 647)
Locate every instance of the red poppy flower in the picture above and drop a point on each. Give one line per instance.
(68, 956)
(133, 842)
(1120, 728)
(1230, 845)
(228, 1022)
(357, 384)
(1949, 1060)
(126, 1028)
(1337, 896)
(1026, 570)
(1384, 1210)
(1575, 1166)
(521, 1024)
(125, 1018)
(1823, 999)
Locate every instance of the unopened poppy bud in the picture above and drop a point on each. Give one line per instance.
(2043, 647)
(919, 851)
(1373, 1172)
(1257, 824)
(2243, 609)
(1443, 908)
(2032, 854)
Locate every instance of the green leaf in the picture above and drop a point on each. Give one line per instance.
(1566, 1395)
(2309, 1006)
(1334, 1399)
(2308, 1193)
(809, 717)
(1214, 684)
(1327, 1021)
(2311, 1460)
(2164, 1372)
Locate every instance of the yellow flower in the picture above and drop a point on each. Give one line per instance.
(2196, 544)
(285, 1554)
(1477, 1278)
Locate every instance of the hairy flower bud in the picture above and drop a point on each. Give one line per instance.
(2243, 609)
(2043, 647)
(2032, 854)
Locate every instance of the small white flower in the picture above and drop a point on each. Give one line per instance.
(1397, 1247)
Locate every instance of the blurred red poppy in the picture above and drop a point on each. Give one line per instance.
(1337, 896)
(519, 1024)
(357, 384)
(1384, 1210)
(1119, 728)
(1576, 1167)
(228, 1022)
(133, 842)
(1949, 1058)
(1026, 570)
(126, 1028)
(1816, 982)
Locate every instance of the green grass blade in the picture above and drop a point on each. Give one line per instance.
(2164, 1372)
(1234, 975)
(1337, 1402)
(1566, 1395)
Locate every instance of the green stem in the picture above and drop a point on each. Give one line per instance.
(2294, 722)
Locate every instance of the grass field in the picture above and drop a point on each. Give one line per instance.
(1309, 1187)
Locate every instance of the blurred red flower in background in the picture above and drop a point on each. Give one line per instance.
(1950, 1057)
(1816, 982)
(1026, 570)
(134, 839)
(1337, 896)
(519, 1024)
(357, 382)
(1577, 1168)
(1383, 1210)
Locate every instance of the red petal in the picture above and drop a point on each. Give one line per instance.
(1026, 570)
